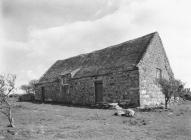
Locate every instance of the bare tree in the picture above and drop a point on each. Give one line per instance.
(7, 86)
(30, 87)
(26, 88)
(32, 84)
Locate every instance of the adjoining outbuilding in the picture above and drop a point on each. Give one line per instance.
(126, 72)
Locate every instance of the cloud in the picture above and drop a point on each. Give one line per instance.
(84, 26)
(21, 15)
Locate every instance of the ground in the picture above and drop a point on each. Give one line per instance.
(59, 122)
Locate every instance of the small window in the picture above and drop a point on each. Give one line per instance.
(158, 73)
(62, 81)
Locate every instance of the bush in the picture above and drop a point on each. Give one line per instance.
(186, 95)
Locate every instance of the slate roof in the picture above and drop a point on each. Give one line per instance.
(125, 55)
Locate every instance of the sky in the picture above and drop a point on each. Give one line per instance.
(36, 33)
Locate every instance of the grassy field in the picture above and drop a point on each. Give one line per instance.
(57, 122)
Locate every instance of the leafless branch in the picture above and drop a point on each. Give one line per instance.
(7, 85)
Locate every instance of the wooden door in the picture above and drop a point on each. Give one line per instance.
(98, 91)
(65, 93)
(43, 94)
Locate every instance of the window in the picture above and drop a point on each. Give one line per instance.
(63, 81)
(158, 73)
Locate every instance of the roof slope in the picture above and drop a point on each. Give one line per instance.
(126, 55)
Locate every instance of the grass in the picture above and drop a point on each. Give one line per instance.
(48, 122)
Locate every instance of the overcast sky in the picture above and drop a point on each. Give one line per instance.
(36, 33)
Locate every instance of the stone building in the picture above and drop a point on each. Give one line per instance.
(125, 72)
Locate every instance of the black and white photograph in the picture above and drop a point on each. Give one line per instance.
(95, 70)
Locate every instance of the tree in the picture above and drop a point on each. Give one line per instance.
(7, 86)
(30, 87)
(171, 88)
(26, 88)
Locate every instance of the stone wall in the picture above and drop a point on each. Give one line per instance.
(155, 57)
(117, 86)
(52, 91)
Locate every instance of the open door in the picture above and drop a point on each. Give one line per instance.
(98, 91)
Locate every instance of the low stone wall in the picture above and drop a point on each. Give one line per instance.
(26, 97)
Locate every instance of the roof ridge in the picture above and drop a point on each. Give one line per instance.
(117, 45)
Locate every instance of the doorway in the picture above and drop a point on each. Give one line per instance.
(43, 94)
(65, 93)
(98, 91)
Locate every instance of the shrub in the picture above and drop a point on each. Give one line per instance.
(186, 94)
